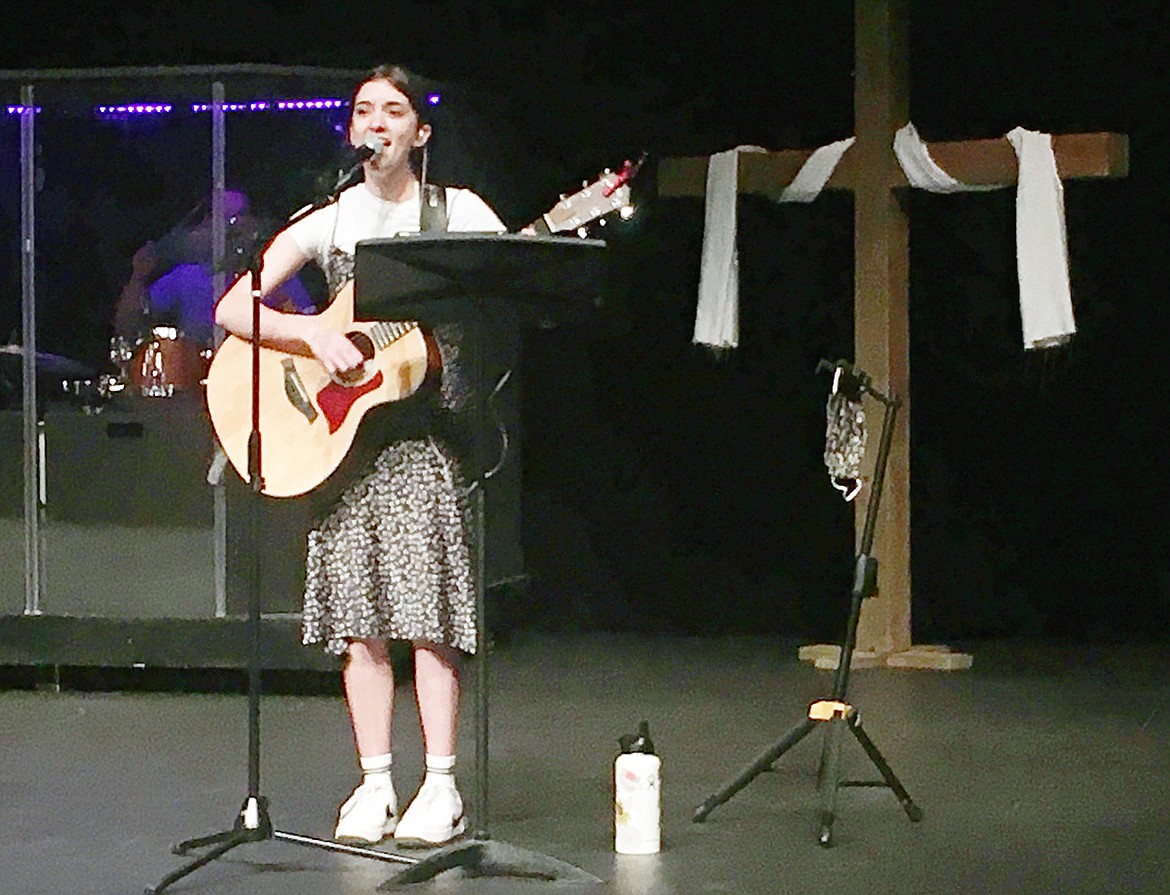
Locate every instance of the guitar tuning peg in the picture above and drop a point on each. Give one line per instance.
(582, 232)
(602, 222)
(607, 171)
(563, 197)
(584, 183)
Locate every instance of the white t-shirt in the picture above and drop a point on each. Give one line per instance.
(358, 214)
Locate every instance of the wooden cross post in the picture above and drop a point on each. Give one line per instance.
(881, 280)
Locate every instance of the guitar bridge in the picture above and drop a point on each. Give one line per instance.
(294, 388)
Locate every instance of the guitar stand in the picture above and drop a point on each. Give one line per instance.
(836, 711)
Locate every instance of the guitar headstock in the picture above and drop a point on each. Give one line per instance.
(609, 192)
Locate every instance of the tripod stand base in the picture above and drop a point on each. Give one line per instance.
(829, 782)
(487, 857)
(836, 714)
(252, 825)
(763, 762)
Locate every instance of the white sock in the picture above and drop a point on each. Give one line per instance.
(376, 769)
(440, 770)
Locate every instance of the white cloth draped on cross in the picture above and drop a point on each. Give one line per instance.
(717, 314)
(1041, 245)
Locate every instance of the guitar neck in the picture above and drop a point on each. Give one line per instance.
(385, 332)
(609, 192)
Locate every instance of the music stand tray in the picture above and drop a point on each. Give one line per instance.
(546, 280)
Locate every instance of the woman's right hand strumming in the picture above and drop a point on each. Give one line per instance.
(335, 352)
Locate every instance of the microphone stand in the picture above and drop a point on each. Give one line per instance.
(252, 823)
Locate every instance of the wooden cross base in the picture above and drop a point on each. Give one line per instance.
(933, 657)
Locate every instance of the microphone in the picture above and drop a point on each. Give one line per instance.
(372, 147)
(351, 172)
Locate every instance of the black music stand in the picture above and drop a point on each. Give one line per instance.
(490, 286)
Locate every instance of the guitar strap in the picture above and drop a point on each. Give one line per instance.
(433, 209)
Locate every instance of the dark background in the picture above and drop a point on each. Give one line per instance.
(669, 490)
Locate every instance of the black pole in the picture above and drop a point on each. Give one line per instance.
(482, 664)
(256, 481)
(865, 566)
(252, 823)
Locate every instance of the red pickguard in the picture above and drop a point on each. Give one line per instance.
(336, 400)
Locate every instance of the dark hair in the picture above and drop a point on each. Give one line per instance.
(412, 86)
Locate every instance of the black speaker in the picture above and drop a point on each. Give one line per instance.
(129, 525)
(129, 517)
(279, 548)
(11, 512)
(11, 464)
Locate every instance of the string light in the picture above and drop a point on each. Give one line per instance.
(126, 110)
(133, 109)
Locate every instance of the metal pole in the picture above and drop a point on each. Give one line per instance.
(481, 663)
(218, 284)
(30, 416)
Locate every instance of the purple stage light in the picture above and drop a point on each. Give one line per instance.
(125, 110)
(259, 105)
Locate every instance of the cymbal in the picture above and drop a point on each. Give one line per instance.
(47, 364)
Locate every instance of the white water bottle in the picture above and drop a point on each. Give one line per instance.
(637, 786)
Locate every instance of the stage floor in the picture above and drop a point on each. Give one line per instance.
(1043, 769)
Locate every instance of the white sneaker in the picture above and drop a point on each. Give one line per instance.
(435, 817)
(369, 815)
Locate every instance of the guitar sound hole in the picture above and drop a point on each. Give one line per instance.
(363, 343)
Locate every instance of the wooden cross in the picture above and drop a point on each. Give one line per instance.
(881, 277)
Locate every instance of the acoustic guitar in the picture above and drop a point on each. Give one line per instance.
(310, 419)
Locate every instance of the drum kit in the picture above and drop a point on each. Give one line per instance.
(160, 363)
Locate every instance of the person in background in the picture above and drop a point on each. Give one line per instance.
(171, 281)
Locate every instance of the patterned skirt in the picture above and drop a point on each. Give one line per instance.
(392, 560)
